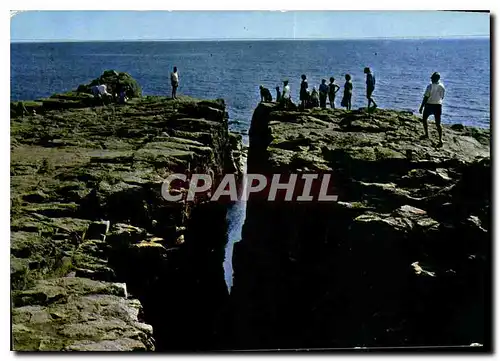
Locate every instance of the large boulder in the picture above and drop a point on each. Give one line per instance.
(81, 97)
(78, 314)
(114, 80)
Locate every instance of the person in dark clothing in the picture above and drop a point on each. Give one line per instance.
(174, 81)
(265, 95)
(323, 93)
(346, 100)
(304, 94)
(122, 91)
(122, 96)
(314, 99)
(370, 87)
(332, 91)
(278, 94)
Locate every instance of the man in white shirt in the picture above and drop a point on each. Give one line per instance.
(286, 90)
(103, 90)
(285, 98)
(432, 105)
(100, 91)
(174, 80)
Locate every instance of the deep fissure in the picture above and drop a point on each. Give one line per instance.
(184, 296)
(282, 292)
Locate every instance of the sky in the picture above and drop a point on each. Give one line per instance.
(200, 25)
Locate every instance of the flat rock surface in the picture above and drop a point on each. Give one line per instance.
(73, 168)
(368, 153)
(401, 258)
(364, 136)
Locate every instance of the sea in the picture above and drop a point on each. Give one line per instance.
(234, 70)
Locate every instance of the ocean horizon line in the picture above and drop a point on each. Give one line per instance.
(450, 37)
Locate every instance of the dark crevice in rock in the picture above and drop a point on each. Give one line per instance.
(150, 276)
(181, 287)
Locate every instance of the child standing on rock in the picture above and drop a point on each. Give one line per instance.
(370, 87)
(265, 95)
(304, 94)
(314, 99)
(286, 96)
(346, 100)
(286, 90)
(332, 91)
(323, 93)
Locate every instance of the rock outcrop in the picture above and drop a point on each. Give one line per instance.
(114, 81)
(79, 98)
(402, 259)
(99, 260)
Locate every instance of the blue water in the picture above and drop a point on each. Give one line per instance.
(234, 70)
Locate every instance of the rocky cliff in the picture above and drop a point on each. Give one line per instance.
(402, 259)
(99, 260)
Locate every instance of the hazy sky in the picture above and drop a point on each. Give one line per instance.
(164, 25)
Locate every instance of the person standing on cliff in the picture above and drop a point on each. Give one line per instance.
(314, 98)
(332, 91)
(432, 104)
(122, 95)
(265, 95)
(304, 94)
(323, 93)
(370, 87)
(174, 80)
(346, 99)
(278, 94)
(286, 96)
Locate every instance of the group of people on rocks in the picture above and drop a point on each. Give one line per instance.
(431, 102)
(101, 94)
(318, 98)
